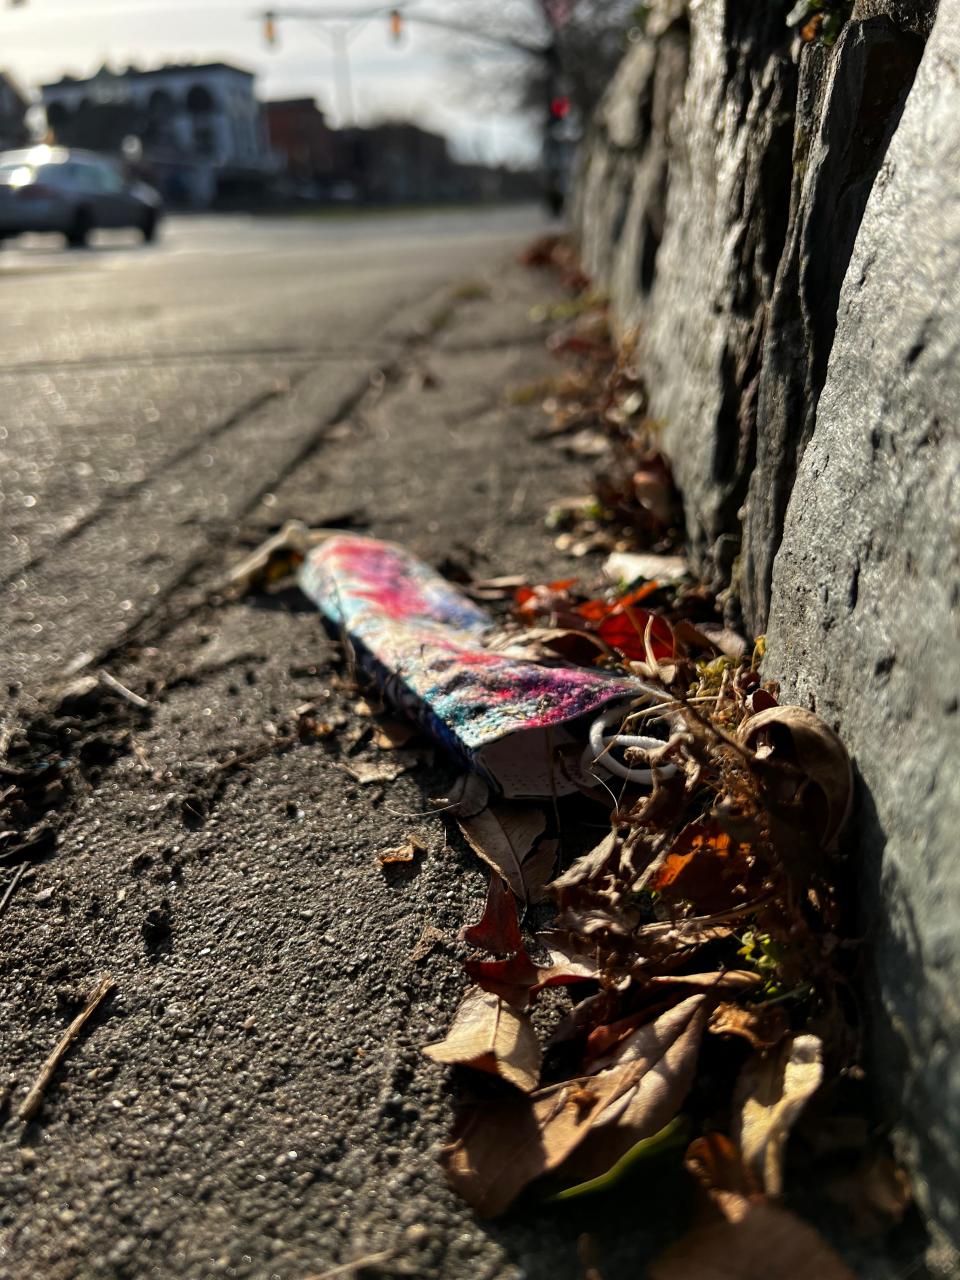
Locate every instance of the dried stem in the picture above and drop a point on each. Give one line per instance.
(31, 1103)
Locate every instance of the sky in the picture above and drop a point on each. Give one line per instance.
(42, 39)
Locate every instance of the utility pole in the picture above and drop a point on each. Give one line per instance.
(338, 28)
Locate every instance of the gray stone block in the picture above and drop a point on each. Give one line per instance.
(849, 105)
(865, 615)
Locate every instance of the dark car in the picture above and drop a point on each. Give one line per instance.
(75, 192)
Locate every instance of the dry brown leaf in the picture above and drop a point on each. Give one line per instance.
(675, 935)
(704, 866)
(815, 749)
(401, 853)
(499, 1150)
(876, 1194)
(762, 1027)
(640, 1043)
(490, 1035)
(715, 1163)
(568, 962)
(771, 1093)
(765, 1242)
(587, 867)
(718, 983)
(512, 977)
(729, 642)
(502, 836)
(538, 868)
(430, 937)
(545, 644)
(367, 771)
(498, 929)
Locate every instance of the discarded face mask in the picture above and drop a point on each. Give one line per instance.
(531, 729)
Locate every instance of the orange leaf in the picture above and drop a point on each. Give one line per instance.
(705, 866)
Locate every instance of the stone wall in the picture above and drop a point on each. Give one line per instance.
(784, 233)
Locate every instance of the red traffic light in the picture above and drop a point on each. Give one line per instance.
(559, 108)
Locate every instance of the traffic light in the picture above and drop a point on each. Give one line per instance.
(559, 108)
(270, 29)
(396, 25)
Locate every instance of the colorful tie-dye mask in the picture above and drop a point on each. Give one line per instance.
(522, 724)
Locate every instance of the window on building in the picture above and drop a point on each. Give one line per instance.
(161, 104)
(204, 139)
(200, 101)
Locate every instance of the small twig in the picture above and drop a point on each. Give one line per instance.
(114, 685)
(12, 886)
(258, 752)
(348, 1268)
(31, 1103)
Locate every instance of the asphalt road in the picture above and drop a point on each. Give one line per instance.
(252, 1101)
(151, 394)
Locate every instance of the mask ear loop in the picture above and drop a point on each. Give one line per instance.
(600, 745)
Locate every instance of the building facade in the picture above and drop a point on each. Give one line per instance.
(198, 130)
(304, 143)
(13, 111)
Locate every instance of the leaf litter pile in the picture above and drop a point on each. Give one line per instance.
(685, 990)
(709, 1010)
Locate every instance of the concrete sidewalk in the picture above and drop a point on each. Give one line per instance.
(253, 1101)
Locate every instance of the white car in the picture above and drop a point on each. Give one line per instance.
(74, 192)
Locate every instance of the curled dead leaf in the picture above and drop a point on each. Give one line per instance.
(766, 1241)
(719, 983)
(798, 737)
(587, 867)
(512, 978)
(771, 1093)
(488, 1034)
(568, 962)
(503, 835)
(876, 1194)
(626, 1041)
(761, 1026)
(751, 1239)
(717, 1166)
(498, 929)
(499, 1150)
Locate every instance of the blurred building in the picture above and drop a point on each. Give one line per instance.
(14, 105)
(401, 163)
(397, 162)
(305, 145)
(198, 130)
